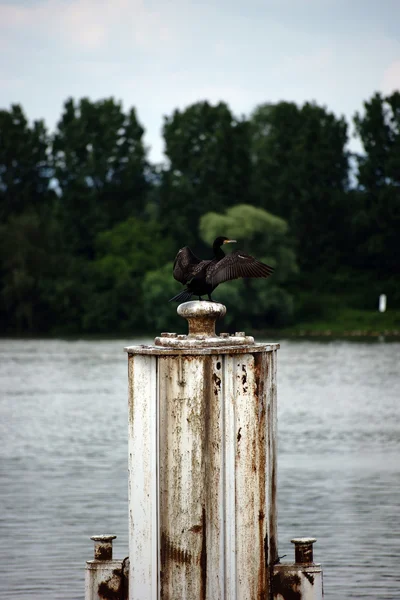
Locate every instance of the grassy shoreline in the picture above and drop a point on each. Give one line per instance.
(341, 323)
(348, 322)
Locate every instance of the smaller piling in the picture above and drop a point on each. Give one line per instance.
(106, 577)
(301, 580)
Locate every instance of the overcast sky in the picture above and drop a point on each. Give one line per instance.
(158, 55)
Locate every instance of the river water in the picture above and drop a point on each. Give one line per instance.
(63, 467)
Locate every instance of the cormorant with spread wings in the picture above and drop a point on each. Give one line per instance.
(201, 277)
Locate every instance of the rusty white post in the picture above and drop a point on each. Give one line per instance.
(202, 463)
(301, 580)
(105, 577)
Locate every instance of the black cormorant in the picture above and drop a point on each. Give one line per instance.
(202, 276)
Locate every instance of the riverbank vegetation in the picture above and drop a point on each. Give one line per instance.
(89, 227)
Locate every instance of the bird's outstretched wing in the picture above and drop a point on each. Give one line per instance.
(237, 265)
(185, 265)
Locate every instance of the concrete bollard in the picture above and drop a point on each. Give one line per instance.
(105, 577)
(202, 463)
(301, 580)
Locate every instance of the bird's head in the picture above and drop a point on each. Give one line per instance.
(219, 241)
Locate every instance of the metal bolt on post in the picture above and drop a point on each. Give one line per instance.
(103, 546)
(303, 549)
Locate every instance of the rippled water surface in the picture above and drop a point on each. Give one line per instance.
(63, 467)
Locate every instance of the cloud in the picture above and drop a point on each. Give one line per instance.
(310, 63)
(391, 78)
(87, 25)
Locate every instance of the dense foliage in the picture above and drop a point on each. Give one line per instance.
(89, 228)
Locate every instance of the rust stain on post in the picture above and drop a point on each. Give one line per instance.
(188, 479)
(217, 383)
(115, 587)
(304, 550)
(131, 377)
(170, 552)
(286, 587)
(293, 581)
(103, 549)
(203, 557)
(261, 459)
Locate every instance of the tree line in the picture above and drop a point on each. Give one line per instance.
(89, 227)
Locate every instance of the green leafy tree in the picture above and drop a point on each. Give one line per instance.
(24, 164)
(255, 303)
(209, 166)
(300, 172)
(157, 288)
(30, 267)
(100, 164)
(88, 229)
(124, 254)
(378, 217)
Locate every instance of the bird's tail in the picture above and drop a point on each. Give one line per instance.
(183, 296)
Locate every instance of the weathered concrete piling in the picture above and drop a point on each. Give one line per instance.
(202, 475)
(301, 580)
(104, 576)
(202, 463)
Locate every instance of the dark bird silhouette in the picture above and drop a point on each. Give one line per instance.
(201, 277)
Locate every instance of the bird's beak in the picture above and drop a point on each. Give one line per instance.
(230, 242)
